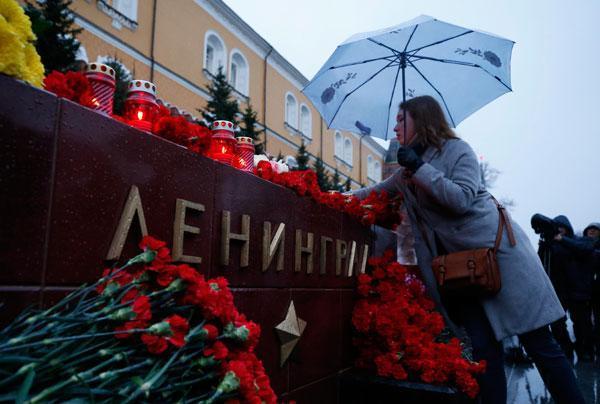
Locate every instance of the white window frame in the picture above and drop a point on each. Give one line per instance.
(306, 129)
(348, 150)
(338, 145)
(377, 171)
(291, 117)
(131, 12)
(243, 87)
(219, 58)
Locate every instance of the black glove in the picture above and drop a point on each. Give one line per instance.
(409, 159)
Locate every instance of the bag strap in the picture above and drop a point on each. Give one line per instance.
(503, 220)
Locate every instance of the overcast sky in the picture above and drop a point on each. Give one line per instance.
(544, 137)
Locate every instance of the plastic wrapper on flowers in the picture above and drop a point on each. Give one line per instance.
(149, 331)
(399, 334)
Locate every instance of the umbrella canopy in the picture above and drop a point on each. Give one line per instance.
(363, 82)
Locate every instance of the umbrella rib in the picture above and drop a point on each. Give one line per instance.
(388, 58)
(441, 41)
(396, 51)
(359, 86)
(436, 90)
(387, 126)
(410, 38)
(469, 64)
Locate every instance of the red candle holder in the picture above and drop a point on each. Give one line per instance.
(140, 106)
(244, 154)
(102, 80)
(222, 142)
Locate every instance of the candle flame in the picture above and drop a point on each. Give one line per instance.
(140, 115)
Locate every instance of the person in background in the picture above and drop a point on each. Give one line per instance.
(593, 231)
(557, 261)
(579, 282)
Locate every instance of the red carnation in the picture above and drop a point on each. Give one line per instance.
(179, 328)
(154, 343)
(218, 350)
(212, 331)
(141, 308)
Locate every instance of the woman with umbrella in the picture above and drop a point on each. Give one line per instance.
(439, 74)
(450, 211)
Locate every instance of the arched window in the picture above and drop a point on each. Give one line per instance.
(370, 166)
(305, 121)
(238, 72)
(126, 7)
(291, 110)
(339, 145)
(348, 151)
(214, 53)
(377, 171)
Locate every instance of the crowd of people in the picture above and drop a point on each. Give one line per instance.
(573, 265)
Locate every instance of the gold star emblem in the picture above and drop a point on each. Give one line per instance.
(289, 331)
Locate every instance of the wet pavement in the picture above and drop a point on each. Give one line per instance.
(526, 386)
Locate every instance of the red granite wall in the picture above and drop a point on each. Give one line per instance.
(65, 176)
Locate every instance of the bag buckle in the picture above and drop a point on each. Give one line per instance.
(471, 267)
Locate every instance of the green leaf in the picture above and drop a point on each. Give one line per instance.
(26, 386)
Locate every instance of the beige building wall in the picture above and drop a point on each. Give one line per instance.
(178, 54)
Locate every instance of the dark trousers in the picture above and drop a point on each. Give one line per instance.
(550, 360)
(596, 317)
(561, 335)
(581, 314)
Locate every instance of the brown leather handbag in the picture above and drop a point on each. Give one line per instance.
(472, 272)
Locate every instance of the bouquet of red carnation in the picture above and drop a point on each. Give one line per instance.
(399, 333)
(377, 208)
(73, 86)
(150, 330)
(179, 130)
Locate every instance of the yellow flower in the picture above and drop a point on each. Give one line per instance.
(34, 70)
(12, 55)
(18, 57)
(15, 16)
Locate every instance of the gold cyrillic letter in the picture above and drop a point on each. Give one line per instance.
(227, 235)
(179, 228)
(341, 252)
(324, 241)
(308, 250)
(365, 257)
(271, 246)
(132, 206)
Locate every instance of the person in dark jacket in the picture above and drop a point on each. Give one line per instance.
(579, 281)
(592, 231)
(557, 260)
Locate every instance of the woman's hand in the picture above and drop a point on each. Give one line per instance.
(409, 159)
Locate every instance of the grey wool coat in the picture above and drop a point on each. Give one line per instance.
(447, 196)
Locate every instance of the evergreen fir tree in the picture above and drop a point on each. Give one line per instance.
(122, 77)
(348, 185)
(335, 181)
(221, 106)
(51, 22)
(322, 177)
(249, 129)
(302, 157)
